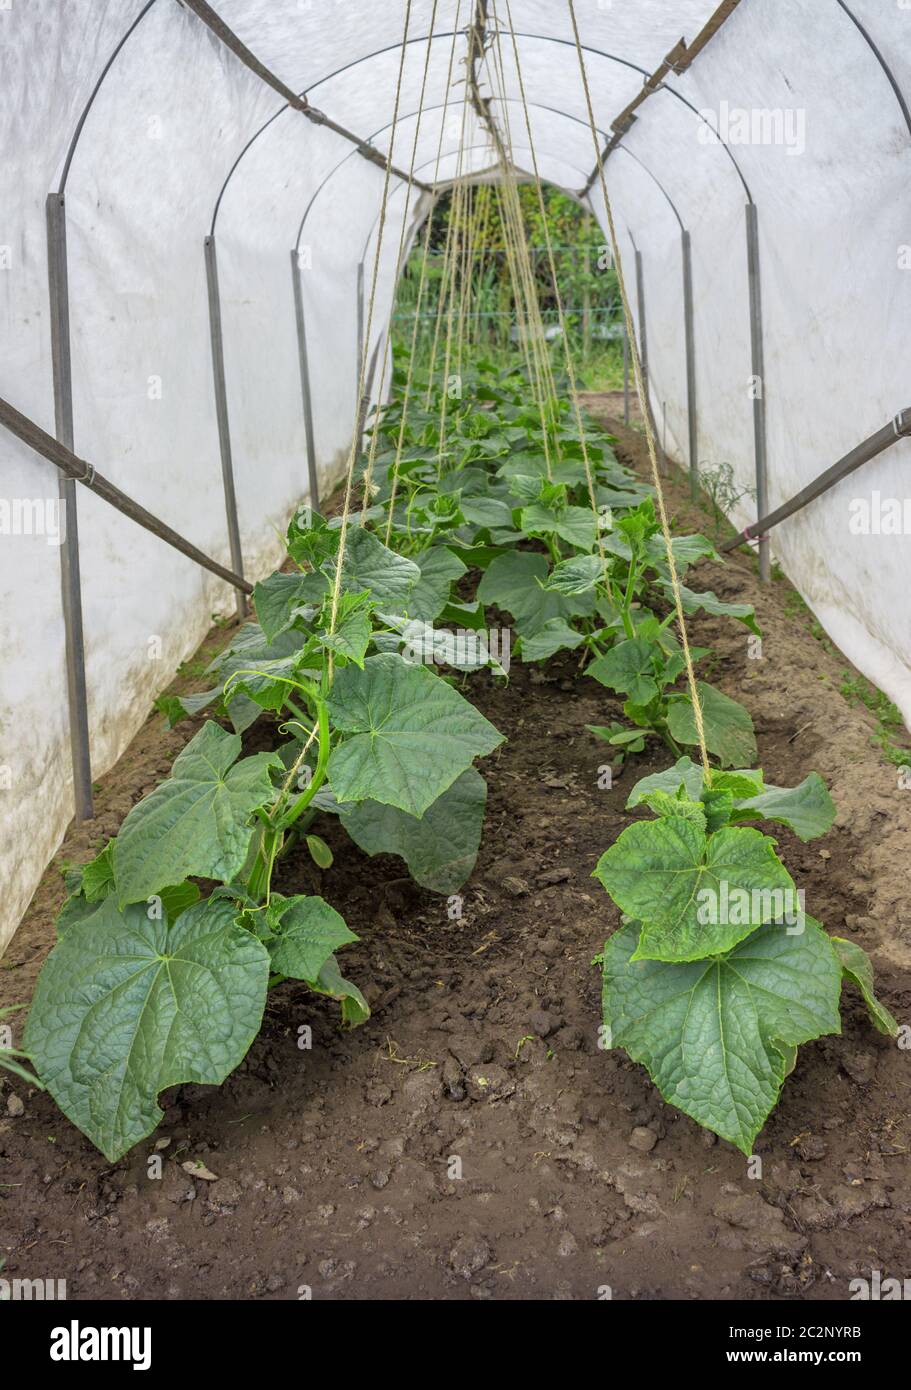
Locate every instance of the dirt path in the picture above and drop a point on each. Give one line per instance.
(472, 1141)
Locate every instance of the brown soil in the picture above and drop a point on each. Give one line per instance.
(471, 1141)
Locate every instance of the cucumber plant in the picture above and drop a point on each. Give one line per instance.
(717, 974)
(597, 580)
(151, 983)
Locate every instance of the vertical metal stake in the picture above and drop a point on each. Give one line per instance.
(362, 404)
(643, 341)
(221, 411)
(586, 305)
(690, 335)
(643, 336)
(625, 374)
(312, 480)
(71, 586)
(758, 365)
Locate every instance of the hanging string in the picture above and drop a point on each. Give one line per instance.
(517, 216)
(456, 214)
(530, 325)
(362, 374)
(561, 317)
(644, 406)
(422, 282)
(375, 434)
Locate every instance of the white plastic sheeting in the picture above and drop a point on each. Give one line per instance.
(178, 114)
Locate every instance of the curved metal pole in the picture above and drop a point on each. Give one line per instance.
(880, 58)
(448, 34)
(657, 182)
(93, 94)
(466, 178)
(438, 106)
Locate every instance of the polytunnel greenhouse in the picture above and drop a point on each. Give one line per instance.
(454, 751)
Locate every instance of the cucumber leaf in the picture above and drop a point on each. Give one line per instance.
(556, 635)
(718, 1036)
(687, 550)
(249, 651)
(486, 512)
(197, 823)
(573, 524)
(370, 565)
(305, 933)
(684, 773)
(633, 740)
(575, 576)
(331, 981)
(127, 1006)
(697, 895)
(282, 598)
(711, 603)
(513, 582)
(353, 628)
(441, 847)
(439, 568)
(807, 809)
(858, 968)
(413, 735)
(729, 732)
(629, 667)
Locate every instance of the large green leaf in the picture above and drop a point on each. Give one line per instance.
(684, 773)
(441, 847)
(687, 550)
(413, 735)
(744, 783)
(513, 582)
(573, 524)
(729, 732)
(711, 603)
(282, 598)
(576, 576)
(439, 567)
(370, 565)
(555, 636)
(719, 1036)
(126, 1006)
(197, 823)
(697, 895)
(269, 683)
(486, 512)
(249, 651)
(353, 628)
(464, 650)
(306, 931)
(629, 667)
(857, 967)
(807, 809)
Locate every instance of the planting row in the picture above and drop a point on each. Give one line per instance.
(474, 506)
